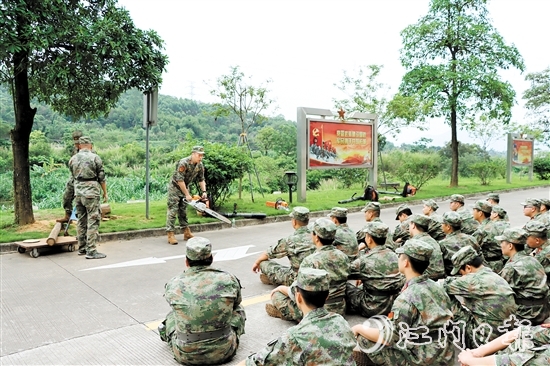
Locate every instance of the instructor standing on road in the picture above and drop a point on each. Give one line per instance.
(188, 170)
(89, 180)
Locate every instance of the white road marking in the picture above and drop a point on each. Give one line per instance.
(219, 256)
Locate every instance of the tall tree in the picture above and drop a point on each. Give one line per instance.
(452, 57)
(78, 56)
(538, 102)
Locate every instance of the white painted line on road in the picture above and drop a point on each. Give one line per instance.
(219, 256)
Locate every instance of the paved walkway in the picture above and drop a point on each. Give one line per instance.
(61, 309)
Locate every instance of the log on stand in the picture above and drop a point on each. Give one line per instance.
(52, 238)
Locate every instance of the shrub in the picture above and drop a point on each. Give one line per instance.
(485, 171)
(541, 167)
(419, 168)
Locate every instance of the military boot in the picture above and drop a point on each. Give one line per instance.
(172, 238)
(187, 234)
(65, 219)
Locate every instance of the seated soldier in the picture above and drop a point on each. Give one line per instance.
(454, 240)
(207, 318)
(418, 225)
(296, 247)
(378, 271)
(401, 233)
(494, 200)
(434, 230)
(485, 235)
(344, 239)
(526, 277)
(538, 243)
(410, 334)
(488, 300)
(526, 346)
(372, 214)
(326, 257)
(321, 338)
(469, 225)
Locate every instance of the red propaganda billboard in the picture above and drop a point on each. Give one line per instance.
(522, 152)
(337, 144)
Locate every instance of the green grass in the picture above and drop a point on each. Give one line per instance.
(131, 216)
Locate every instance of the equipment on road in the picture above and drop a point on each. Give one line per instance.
(279, 204)
(201, 206)
(32, 245)
(370, 194)
(246, 215)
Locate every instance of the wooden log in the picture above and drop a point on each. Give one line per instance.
(52, 238)
(105, 210)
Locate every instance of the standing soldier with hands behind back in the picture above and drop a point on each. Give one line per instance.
(188, 170)
(89, 180)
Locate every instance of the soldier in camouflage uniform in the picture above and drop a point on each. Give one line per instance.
(296, 247)
(326, 257)
(544, 213)
(412, 330)
(372, 214)
(454, 240)
(68, 193)
(494, 200)
(526, 277)
(537, 240)
(378, 271)
(207, 317)
(485, 235)
(344, 239)
(469, 225)
(488, 300)
(188, 170)
(525, 346)
(321, 338)
(434, 230)
(418, 225)
(401, 233)
(531, 208)
(89, 181)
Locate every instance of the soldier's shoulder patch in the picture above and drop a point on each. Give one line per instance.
(181, 168)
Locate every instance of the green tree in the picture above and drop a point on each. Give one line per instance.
(76, 56)
(538, 102)
(453, 56)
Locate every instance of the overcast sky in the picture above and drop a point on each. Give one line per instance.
(304, 46)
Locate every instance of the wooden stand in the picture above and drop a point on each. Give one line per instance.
(32, 246)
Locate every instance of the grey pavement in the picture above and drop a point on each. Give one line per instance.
(61, 309)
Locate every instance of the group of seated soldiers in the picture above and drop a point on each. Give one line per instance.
(461, 279)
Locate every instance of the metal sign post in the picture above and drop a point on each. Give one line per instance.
(150, 108)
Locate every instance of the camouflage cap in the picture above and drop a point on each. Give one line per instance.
(338, 212)
(416, 249)
(198, 248)
(373, 206)
(483, 206)
(377, 229)
(85, 140)
(493, 196)
(546, 202)
(400, 209)
(514, 235)
(501, 212)
(421, 220)
(300, 213)
(198, 149)
(457, 198)
(452, 218)
(464, 256)
(77, 134)
(535, 227)
(431, 203)
(531, 202)
(312, 279)
(324, 228)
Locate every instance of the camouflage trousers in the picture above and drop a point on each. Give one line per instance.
(206, 352)
(290, 311)
(177, 208)
(358, 302)
(277, 273)
(68, 196)
(88, 211)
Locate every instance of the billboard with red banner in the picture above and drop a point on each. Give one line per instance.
(339, 144)
(522, 152)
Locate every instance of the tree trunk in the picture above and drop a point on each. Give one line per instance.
(454, 149)
(20, 136)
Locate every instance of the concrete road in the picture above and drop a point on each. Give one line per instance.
(61, 309)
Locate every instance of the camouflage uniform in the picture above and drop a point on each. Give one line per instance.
(485, 237)
(327, 258)
(436, 269)
(381, 281)
(321, 338)
(487, 299)
(88, 174)
(402, 229)
(345, 239)
(187, 172)
(296, 247)
(434, 229)
(454, 241)
(469, 225)
(203, 299)
(422, 308)
(360, 235)
(531, 348)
